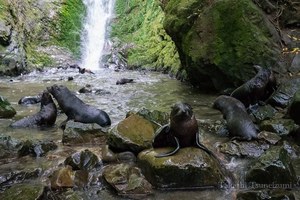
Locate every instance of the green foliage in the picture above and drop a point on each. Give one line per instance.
(36, 58)
(140, 22)
(70, 25)
(3, 9)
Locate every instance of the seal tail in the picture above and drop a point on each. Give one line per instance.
(171, 152)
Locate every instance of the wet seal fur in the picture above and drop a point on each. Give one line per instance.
(257, 89)
(76, 109)
(238, 121)
(182, 131)
(30, 100)
(46, 117)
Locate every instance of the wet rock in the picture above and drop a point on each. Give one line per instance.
(6, 110)
(294, 108)
(107, 155)
(127, 180)
(285, 92)
(273, 167)
(81, 178)
(27, 191)
(189, 168)
(36, 149)
(5, 33)
(84, 160)
(260, 113)
(155, 116)
(17, 175)
(76, 133)
(62, 178)
(274, 194)
(126, 157)
(282, 127)
(8, 146)
(269, 137)
(134, 133)
(295, 66)
(85, 90)
(244, 148)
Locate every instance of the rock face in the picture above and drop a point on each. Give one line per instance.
(219, 41)
(189, 168)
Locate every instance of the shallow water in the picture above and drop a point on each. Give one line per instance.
(150, 90)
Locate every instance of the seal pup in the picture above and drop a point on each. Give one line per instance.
(237, 119)
(30, 100)
(45, 117)
(123, 81)
(257, 89)
(181, 131)
(76, 109)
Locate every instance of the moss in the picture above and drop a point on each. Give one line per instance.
(70, 25)
(140, 22)
(36, 58)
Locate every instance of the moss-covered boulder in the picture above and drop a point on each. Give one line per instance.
(264, 112)
(189, 168)
(76, 133)
(127, 180)
(273, 167)
(134, 133)
(27, 191)
(219, 41)
(6, 109)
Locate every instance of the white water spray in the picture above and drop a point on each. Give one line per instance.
(94, 32)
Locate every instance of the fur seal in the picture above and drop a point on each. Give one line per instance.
(182, 131)
(76, 109)
(257, 89)
(45, 117)
(30, 100)
(123, 81)
(238, 121)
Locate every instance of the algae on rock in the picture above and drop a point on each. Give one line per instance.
(140, 23)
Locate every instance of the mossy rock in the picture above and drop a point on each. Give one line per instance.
(6, 109)
(134, 133)
(189, 168)
(23, 191)
(76, 133)
(127, 180)
(273, 167)
(219, 41)
(281, 127)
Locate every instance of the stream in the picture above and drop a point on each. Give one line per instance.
(150, 90)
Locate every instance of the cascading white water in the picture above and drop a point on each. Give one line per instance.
(94, 32)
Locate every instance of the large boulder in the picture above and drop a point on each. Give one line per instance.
(135, 133)
(219, 41)
(189, 168)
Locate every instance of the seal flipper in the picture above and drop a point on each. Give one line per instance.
(204, 148)
(171, 152)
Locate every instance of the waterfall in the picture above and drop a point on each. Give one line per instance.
(94, 32)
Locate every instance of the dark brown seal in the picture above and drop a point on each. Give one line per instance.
(76, 109)
(182, 131)
(45, 117)
(238, 121)
(257, 89)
